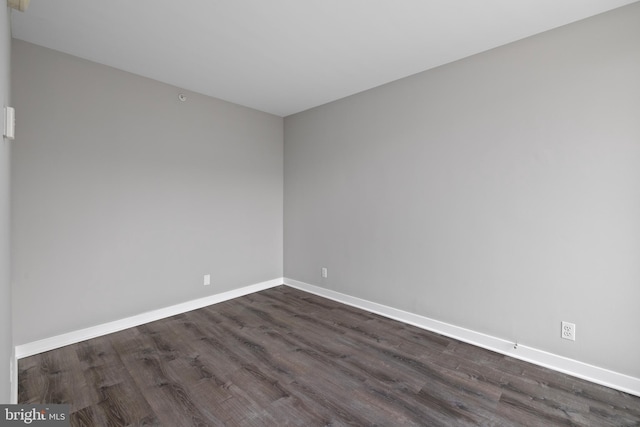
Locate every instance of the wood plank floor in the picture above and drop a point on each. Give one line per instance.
(283, 357)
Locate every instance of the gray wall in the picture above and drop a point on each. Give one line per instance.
(124, 197)
(499, 193)
(6, 347)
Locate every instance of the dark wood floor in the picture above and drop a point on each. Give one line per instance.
(284, 357)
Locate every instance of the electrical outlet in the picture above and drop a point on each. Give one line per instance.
(324, 272)
(207, 279)
(568, 331)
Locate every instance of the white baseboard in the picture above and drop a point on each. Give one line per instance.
(58, 341)
(13, 397)
(562, 364)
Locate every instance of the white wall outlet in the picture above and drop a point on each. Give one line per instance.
(568, 331)
(324, 272)
(207, 279)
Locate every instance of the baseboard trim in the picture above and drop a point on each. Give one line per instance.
(13, 396)
(552, 361)
(74, 337)
(558, 363)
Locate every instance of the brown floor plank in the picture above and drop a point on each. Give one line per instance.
(288, 358)
(86, 417)
(55, 378)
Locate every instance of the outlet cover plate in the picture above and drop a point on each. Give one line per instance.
(568, 331)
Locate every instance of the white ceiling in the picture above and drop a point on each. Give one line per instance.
(285, 56)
